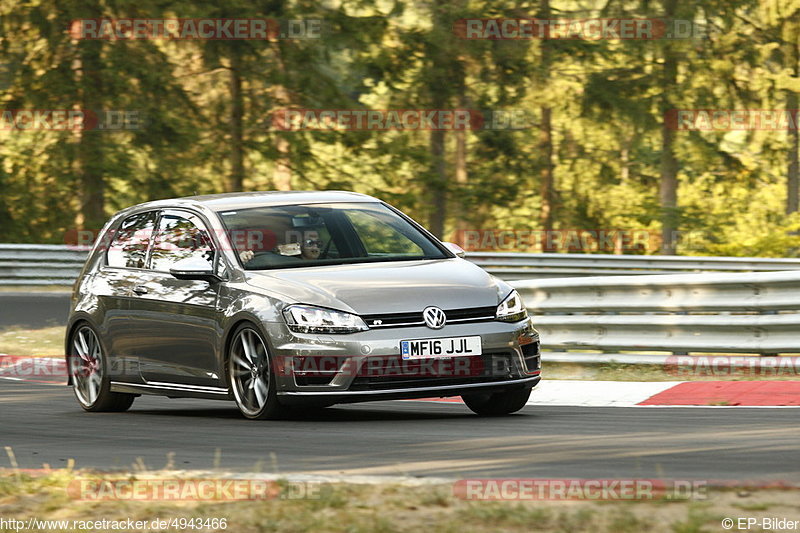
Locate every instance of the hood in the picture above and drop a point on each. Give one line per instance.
(390, 287)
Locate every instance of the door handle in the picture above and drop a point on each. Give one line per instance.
(140, 289)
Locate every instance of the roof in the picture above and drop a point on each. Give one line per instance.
(245, 200)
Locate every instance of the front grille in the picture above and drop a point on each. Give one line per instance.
(454, 316)
(392, 372)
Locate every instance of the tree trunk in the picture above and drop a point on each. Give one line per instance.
(236, 178)
(793, 171)
(792, 56)
(282, 175)
(547, 182)
(463, 216)
(7, 229)
(441, 65)
(669, 164)
(624, 178)
(438, 184)
(547, 186)
(462, 221)
(90, 156)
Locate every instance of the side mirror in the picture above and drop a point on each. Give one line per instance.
(456, 249)
(194, 268)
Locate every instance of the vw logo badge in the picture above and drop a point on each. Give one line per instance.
(434, 317)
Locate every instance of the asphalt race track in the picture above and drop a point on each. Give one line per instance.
(33, 310)
(43, 424)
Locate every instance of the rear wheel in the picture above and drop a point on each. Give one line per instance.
(251, 376)
(88, 369)
(497, 403)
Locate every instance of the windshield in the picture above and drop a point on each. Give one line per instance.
(324, 234)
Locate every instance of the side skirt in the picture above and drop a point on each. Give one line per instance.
(173, 390)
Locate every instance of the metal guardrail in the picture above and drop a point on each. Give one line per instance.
(40, 264)
(742, 312)
(52, 264)
(512, 266)
(755, 312)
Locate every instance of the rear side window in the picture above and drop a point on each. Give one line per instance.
(129, 246)
(180, 237)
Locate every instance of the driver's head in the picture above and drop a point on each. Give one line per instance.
(310, 249)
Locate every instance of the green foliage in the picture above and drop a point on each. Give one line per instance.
(606, 99)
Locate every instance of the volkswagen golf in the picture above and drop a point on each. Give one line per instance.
(283, 300)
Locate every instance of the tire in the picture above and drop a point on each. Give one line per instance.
(88, 368)
(498, 403)
(251, 377)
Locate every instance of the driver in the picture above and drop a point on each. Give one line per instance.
(310, 249)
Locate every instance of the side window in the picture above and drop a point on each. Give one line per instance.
(129, 246)
(179, 237)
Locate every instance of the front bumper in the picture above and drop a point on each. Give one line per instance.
(438, 391)
(367, 365)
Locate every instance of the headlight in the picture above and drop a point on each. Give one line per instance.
(308, 319)
(511, 309)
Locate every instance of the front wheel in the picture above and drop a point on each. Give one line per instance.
(88, 369)
(497, 403)
(251, 376)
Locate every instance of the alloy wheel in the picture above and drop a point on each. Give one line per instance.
(86, 366)
(250, 372)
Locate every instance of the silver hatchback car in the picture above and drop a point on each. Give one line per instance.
(279, 300)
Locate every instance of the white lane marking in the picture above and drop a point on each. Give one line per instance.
(578, 393)
(596, 393)
(27, 367)
(721, 406)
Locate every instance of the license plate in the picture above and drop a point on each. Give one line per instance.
(444, 347)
